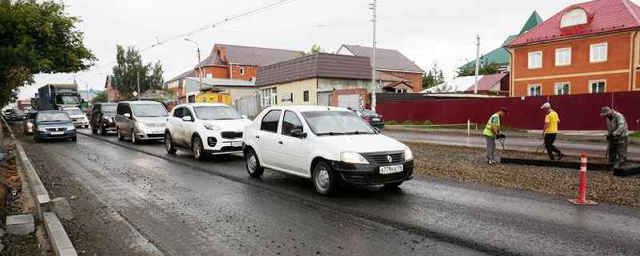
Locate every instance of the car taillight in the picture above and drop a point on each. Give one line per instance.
(366, 118)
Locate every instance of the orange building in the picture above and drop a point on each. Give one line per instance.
(591, 47)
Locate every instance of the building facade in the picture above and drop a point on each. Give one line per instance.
(591, 47)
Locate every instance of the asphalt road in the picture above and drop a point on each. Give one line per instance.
(519, 144)
(179, 206)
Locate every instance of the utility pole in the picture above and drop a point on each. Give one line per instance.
(138, 79)
(374, 84)
(475, 85)
(87, 87)
(199, 61)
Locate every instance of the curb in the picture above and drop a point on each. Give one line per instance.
(60, 242)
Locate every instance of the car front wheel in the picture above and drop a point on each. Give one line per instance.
(168, 144)
(198, 149)
(119, 134)
(134, 137)
(253, 164)
(323, 178)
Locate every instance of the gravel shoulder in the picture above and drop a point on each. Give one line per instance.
(469, 165)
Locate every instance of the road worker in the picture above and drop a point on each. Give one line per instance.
(550, 131)
(491, 131)
(617, 136)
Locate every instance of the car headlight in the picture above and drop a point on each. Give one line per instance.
(142, 126)
(353, 158)
(86, 120)
(408, 155)
(71, 128)
(42, 129)
(211, 127)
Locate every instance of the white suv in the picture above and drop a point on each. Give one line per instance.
(326, 144)
(205, 129)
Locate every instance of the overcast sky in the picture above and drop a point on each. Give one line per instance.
(424, 31)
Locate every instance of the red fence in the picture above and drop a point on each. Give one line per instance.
(577, 112)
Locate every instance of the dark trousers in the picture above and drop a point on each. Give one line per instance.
(618, 151)
(549, 139)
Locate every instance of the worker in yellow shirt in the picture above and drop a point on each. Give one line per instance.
(550, 131)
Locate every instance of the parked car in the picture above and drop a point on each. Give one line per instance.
(14, 115)
(373, 118)
(141, 121)
(103, 118)
(205, 129)
(27, 124)
(53, 124)
(78, 117)
(327, 145)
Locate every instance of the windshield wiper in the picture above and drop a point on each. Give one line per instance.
(331, 133)
(358, 133)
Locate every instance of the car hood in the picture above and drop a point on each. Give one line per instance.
(236, 125)
(54, 124)
(76, 116)
(152, 120)
(362, 143)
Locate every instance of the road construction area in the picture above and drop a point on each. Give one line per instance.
(138, 200)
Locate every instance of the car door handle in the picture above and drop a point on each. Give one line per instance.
(257, 137)
(280, 142)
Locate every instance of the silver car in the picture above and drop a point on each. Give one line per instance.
(141, 121)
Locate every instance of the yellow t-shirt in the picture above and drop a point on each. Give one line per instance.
(552, 119)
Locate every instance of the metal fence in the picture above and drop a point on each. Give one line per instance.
(249, 105)
(577, 112)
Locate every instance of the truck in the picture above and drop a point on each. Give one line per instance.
(58, 97)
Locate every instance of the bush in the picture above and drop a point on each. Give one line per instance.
(428, 122)
(392, 122)
(635, 134)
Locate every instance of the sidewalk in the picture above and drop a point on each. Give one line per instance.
(532, 144)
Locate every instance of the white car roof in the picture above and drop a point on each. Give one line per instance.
(309, 108)
(141, 102)
(203, 105)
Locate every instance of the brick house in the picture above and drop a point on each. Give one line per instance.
(177, 85)
(241, 62)
(318, 79)
(390, 62)
(113, 94)
(590, 47)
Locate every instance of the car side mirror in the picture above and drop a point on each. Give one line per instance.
(127, 115)
(187, 118)
(297, 133)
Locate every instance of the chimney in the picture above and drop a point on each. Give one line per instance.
(223, 54)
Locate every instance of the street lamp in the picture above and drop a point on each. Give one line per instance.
(199, 61)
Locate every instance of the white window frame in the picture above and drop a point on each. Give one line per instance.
(574, 17)
(592, 53)
(209, 75)
(558, 51)
(268, 96)
(241, 71)
(591, 82)
(562, 84)
(531, 86)
(530, 63)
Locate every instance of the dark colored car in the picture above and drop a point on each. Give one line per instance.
(103, 118)
(53, 124)
(14, 115)
(373, 118)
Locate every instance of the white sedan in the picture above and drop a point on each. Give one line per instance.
(327, 145)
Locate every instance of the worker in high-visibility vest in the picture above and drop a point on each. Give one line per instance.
(550, 131)
(491, 131)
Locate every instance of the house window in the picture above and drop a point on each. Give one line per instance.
(573, 18)
(598, 86)
(269, 97)
(209, 75)
(563, 57)
(287, 97)
(534, 90)
(599, 52)
(535, 60)
(241, 71)
(562, 88)
(401, 90)
(305, 96)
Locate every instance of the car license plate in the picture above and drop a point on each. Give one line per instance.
(375, 119)
(57, 133)
(236, 144)
(391, 169)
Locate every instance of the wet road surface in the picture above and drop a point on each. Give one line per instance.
(184, 207)
(520, 144)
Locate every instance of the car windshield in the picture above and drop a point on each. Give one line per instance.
(53, 117)
(74, 112)
(108, 108)
(336, 123)
(68, 100)
(216, 113)
(149, 110)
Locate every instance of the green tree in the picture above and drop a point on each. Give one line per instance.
(100, 97)
(37, 37)
(129, 69)
(434, 77)
(314, 49)
(488, 69)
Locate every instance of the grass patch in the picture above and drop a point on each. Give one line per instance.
(635, 135)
